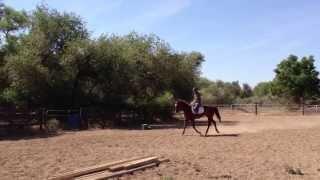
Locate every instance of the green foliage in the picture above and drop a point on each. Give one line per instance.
(55, 63)
(164, 100)
(263, 89)
(163, 105)
(9, 96)
(12, 21)
(11, 26)
(296, 79)
(220, 92)
(47, 58)
(35, 71)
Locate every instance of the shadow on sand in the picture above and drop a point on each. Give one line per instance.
(214, 135)
(229, 123)
(223, 135)
(25, 134)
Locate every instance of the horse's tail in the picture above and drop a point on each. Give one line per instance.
(216, 110)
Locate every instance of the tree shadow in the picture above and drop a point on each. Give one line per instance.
(25, 134)
(153, 126)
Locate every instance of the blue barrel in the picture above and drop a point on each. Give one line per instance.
(74, 121)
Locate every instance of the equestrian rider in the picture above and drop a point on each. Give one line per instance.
(196, 102)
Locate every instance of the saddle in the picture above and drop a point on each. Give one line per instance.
(200, 110)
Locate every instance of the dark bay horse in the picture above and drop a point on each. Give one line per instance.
(209, 111)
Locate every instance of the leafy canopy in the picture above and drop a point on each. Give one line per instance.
(297, 79)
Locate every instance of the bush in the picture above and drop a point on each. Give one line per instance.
(9, 96)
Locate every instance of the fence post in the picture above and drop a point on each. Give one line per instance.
(83, 124)
(80, 113)
(256, 108)
(302, 109)
(43, 118)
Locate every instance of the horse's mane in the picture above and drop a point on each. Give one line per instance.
(184, 101)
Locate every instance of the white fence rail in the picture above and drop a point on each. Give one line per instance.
(270, 108)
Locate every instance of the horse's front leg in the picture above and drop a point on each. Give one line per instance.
(194, 127)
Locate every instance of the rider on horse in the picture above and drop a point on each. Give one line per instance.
(196, 102)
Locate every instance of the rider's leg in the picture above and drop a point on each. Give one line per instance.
(197, 107)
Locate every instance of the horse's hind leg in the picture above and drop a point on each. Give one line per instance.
(184, 127)
(214, 123)
(209, 124)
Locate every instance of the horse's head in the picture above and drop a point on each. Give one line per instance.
(176, 107)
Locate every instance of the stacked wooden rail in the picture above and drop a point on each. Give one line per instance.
(112, 170)
(13, 117)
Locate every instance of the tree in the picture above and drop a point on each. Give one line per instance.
(296, 79)
(235, 88)
(12, 20)
(12, 23)
(54, 62)
(262, 89)
(36, 72)
(219, 92)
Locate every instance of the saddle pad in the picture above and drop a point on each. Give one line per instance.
(200, 110)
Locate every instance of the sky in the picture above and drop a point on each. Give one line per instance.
(241, 40)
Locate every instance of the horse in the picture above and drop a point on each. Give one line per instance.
(209, 111)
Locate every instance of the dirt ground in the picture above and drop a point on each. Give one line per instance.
(248, 147)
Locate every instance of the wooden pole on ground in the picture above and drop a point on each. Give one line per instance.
(134, 164)
(88, 170)
(108, 174)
